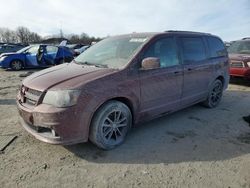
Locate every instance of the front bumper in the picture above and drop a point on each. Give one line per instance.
(54, 125)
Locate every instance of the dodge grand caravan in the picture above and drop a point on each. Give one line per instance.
(121, 81)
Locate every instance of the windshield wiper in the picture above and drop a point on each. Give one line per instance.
(91, 64)
(101, 65)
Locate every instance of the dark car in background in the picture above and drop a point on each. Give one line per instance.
(77, 49)
(6, 48)
(121, 81)
(239, 53)
(36, 56)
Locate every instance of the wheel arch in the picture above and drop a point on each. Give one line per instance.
(217, 77)
(124, 100)
(127, 102)
(222, 79)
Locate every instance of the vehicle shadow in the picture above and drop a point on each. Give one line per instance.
(239, 81)
(26, 69)
(192, 134)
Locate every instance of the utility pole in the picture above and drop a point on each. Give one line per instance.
(61, 32)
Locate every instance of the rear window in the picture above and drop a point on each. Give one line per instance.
(216, 46)
(193, 49)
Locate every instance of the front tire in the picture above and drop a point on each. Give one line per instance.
(215, 94)
(16, 65)
(110, 125)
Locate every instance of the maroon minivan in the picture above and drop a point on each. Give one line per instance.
(121, 81)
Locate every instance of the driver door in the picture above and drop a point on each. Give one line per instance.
(161, 88)
(50, 55)
(31, 56)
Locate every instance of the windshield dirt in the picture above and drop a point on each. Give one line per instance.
(114, 52)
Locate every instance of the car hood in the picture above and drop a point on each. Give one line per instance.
(240, 57)
(65, 76)
(8, 54)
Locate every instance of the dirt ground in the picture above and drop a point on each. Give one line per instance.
(195, 147)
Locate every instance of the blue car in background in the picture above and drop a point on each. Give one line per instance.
(36, 56)
(6, 48)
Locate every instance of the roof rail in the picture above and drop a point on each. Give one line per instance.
(187, 32)
(245, 38)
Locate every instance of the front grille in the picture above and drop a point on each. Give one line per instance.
(30, 96)
(237, 64)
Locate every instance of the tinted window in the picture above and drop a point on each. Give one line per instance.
(217, 48)
(193, 49)
(7, 47)
(165, 50)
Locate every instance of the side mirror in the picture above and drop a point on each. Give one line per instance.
(150, 63)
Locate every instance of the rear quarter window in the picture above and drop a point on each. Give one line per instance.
(193, 49)
(216, 47)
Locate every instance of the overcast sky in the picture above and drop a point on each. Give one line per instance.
(230, 19)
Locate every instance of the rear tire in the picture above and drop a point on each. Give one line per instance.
(16, 65)
(110, 125)
(214, 95)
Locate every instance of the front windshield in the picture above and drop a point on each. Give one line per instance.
(240, 47)
(114, 52)
(23, 49)
(31, 49)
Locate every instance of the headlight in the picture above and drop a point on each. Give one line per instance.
(248, 63)
(2, 58)
(61, 98)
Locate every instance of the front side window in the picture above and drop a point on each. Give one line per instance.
(216, 46)
(113, 52)
(33, 49)
(193, 49)
(240, 47)
(165, 50)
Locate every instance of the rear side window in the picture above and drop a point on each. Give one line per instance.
(216, 46)
(193, 49)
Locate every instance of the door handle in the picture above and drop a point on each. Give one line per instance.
(177, 72)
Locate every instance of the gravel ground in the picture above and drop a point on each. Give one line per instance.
(195, 147)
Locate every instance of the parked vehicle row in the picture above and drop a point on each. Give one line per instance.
(121, 81)
(36, 56)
